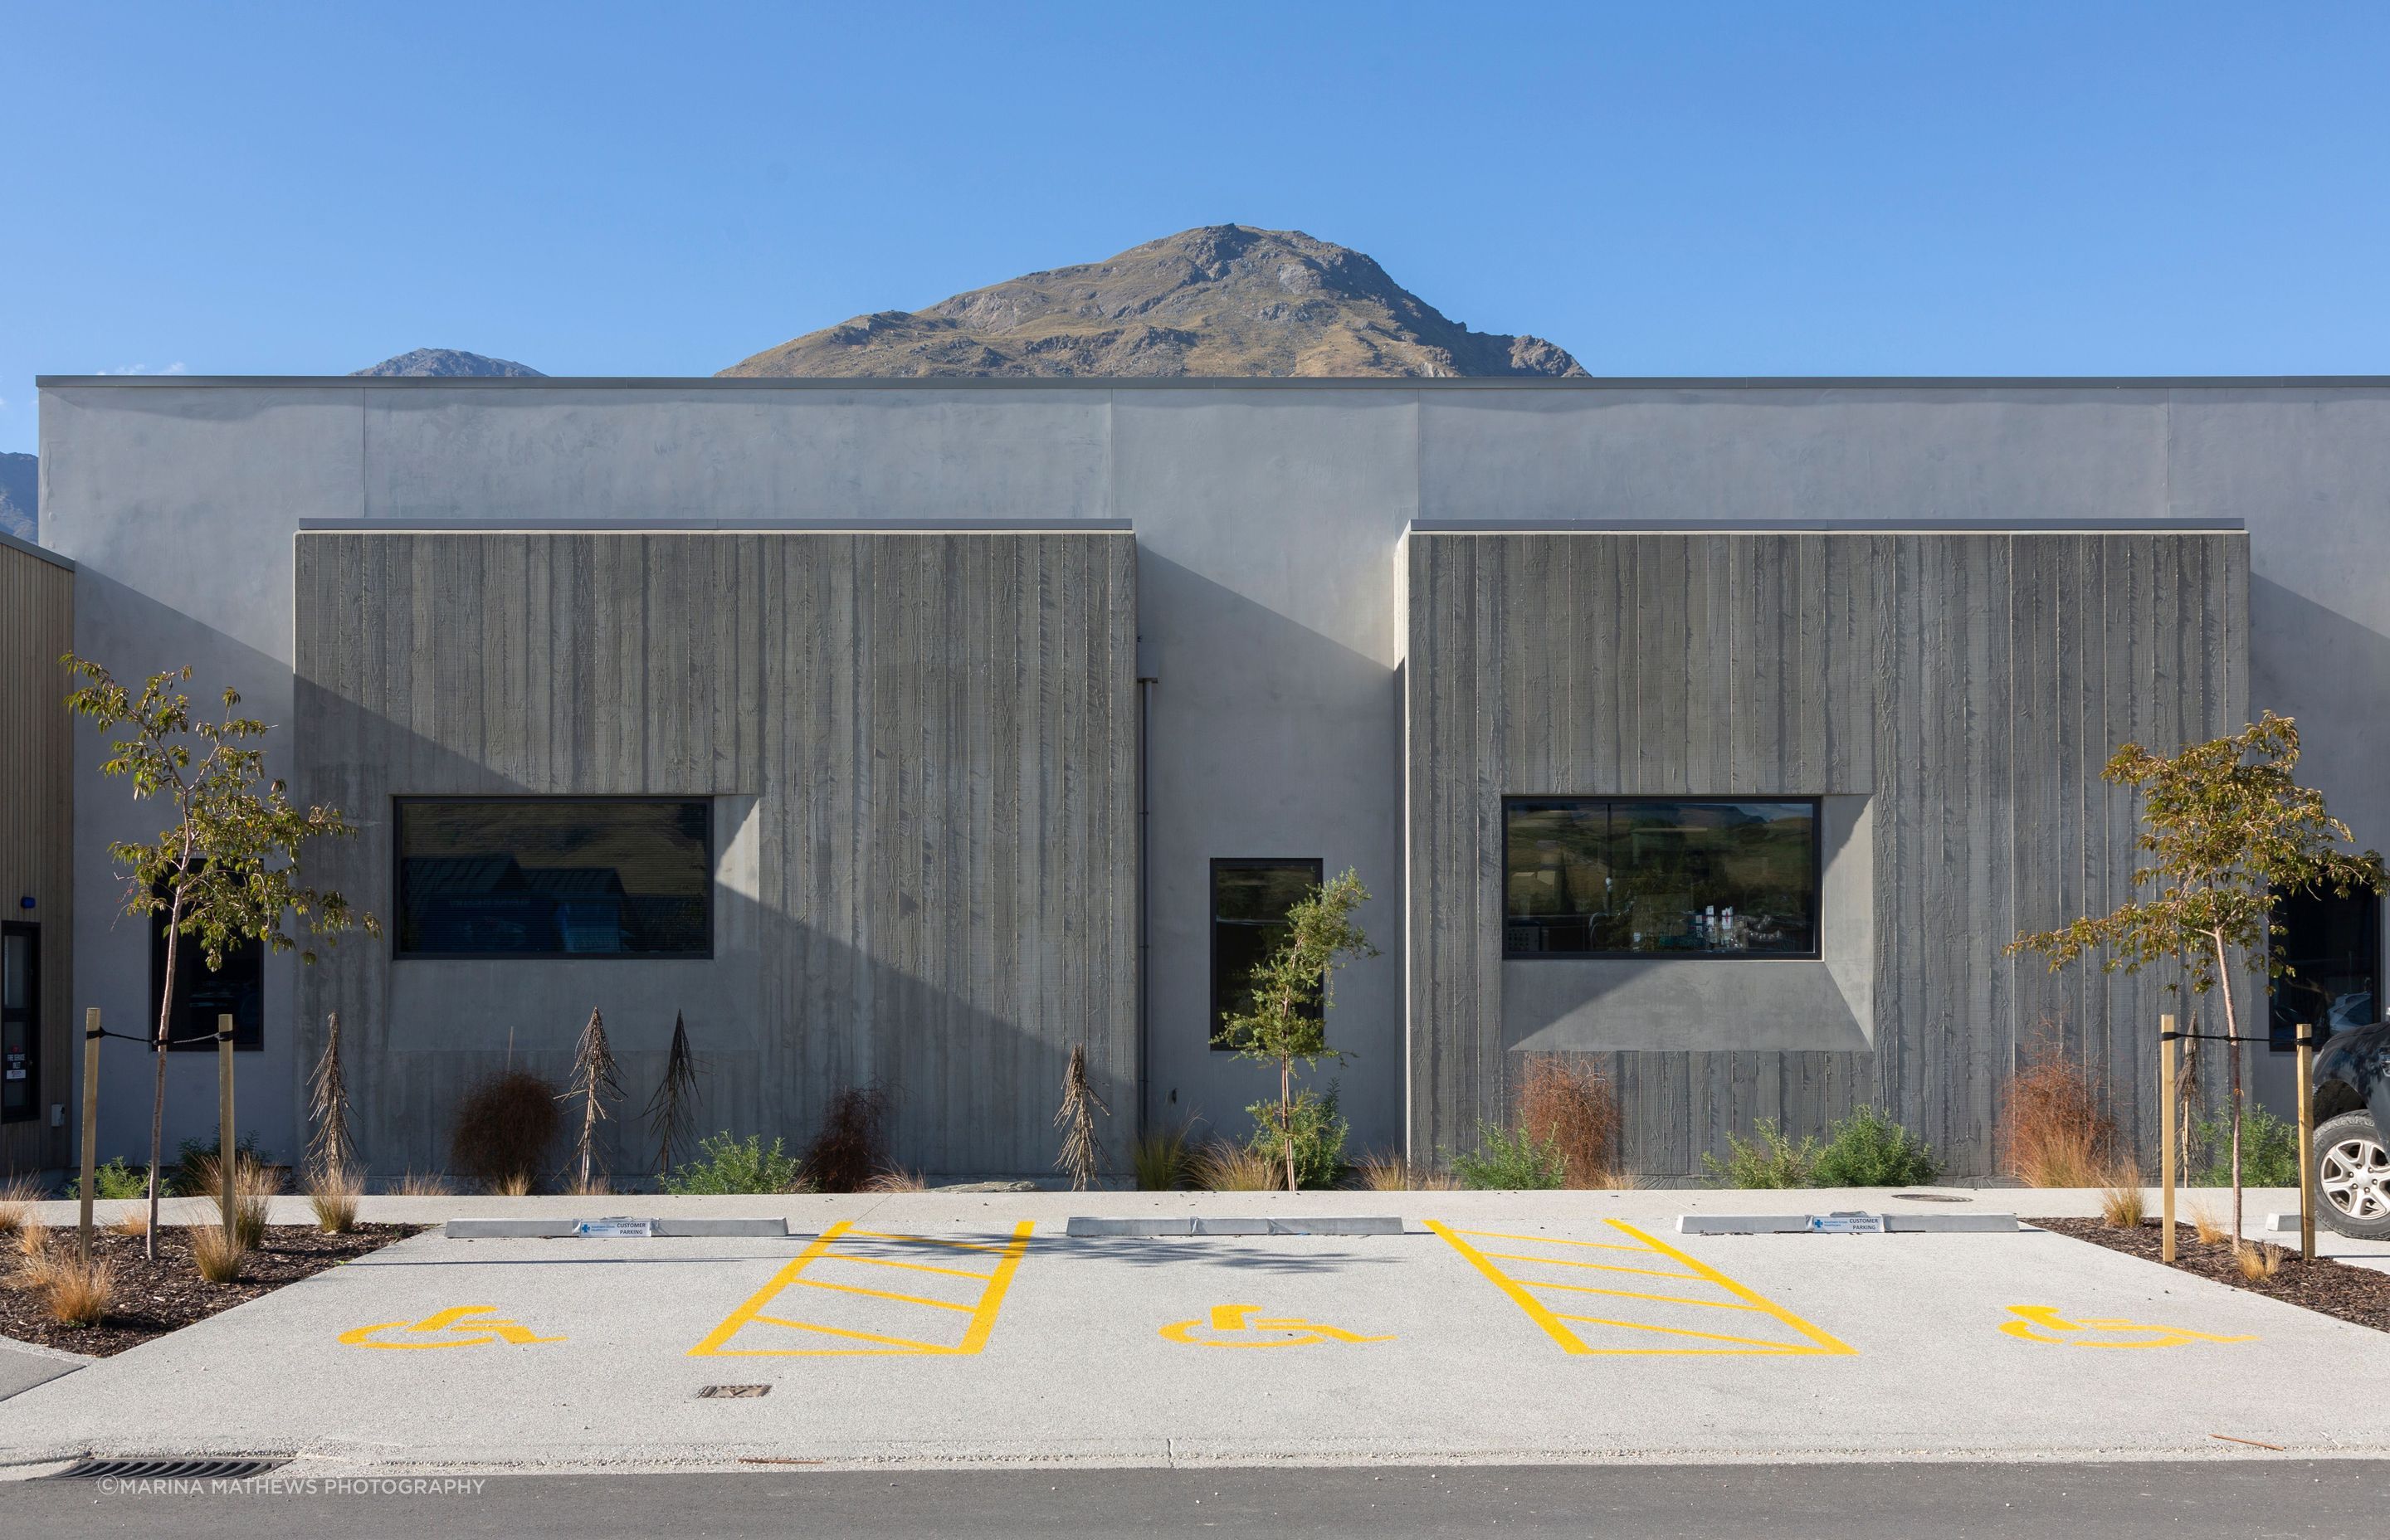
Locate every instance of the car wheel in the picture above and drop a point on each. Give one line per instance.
(2352, 1173)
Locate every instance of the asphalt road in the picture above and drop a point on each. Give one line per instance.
(2237, 1496)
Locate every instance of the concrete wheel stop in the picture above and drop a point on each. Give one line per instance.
(1846, 1221)
(610, 1229)
(1083, 1227)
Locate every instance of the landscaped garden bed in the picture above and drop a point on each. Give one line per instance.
(2357, 1294)
(151, 1298)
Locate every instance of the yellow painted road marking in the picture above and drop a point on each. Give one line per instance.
(2036, 1319)
(467, 1334)
(1555, 1323)
(824, 1248)
(1239, 1318)
(1595, 1266)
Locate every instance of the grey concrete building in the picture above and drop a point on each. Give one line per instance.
(912, 732)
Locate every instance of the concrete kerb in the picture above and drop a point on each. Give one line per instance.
(806, 1212)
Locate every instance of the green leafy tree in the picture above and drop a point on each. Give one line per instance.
(226, 868)
(2225, 828)
(1291, 990)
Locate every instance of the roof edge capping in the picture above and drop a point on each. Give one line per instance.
(1829, 526)
(41, 553)
(716, 526)
(1208, 383)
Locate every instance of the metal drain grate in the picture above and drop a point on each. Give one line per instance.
(733, 1392)
(1932, 1198)
(211, 1469)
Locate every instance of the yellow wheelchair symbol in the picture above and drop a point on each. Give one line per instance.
(2042, 1323)
(1293, 1331)
(463, 1332)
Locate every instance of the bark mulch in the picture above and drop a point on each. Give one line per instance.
(154, 1298)
(2357, 1294)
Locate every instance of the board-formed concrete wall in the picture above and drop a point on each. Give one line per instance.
(1959, 692)
(921, 751)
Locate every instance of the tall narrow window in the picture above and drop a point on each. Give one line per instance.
(1250, 899)
(20, 1020)
(1615, 877)
(201, 994)
(555, 876)
(2333, 945)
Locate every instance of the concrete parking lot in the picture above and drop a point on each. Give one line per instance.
(932, 1329)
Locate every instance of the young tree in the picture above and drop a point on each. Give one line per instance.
(226, 868)
(1291, 990)
(2225, 828)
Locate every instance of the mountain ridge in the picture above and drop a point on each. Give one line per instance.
(446, 364)
(1215, 301)
(20, 491)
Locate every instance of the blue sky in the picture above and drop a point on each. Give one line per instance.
(1661, 188)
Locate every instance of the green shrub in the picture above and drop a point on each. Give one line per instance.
(1867, 1149)
(1163, 1159)
(118, 1180)
(1767, 1160)
(1319, 1131)
(725, 1164)
(2270, 1151)
(1507, 1161)
(193, 1169)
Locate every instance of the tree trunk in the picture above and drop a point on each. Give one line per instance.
(158, 1052)
(2232, 1058)
(1286, 1114)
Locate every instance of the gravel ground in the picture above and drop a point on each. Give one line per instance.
(2357, 1294)
(153, 1298)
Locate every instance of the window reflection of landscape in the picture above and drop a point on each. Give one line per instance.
(1660, 877)
(555, 876)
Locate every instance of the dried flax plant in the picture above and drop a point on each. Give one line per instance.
(333, 1180)
(595, 1083)
(1076, 1117)
(327, 1107)
(672, 1111)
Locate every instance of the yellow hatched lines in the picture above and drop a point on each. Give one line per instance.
(847, 1312)
(1561, 1318)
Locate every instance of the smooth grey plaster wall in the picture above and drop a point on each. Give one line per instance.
(182, 507)
(1259, 512)
(1968, 686)
(921, 747)
(1263, 528)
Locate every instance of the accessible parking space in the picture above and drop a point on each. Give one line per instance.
(1479, 1333)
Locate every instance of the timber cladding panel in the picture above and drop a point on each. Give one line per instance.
(921, 743)
(1970, 686)
(37, 825)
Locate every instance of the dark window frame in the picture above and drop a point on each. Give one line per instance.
(1817, 877)
(398, 952)
(32, 931)
(1316, 865)
(190, 951)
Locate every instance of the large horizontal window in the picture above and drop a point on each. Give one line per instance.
(555, 876)
(1616, 876)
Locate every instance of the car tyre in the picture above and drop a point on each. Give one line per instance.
(2352, 1177)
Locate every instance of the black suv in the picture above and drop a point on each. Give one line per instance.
(2352, 1108)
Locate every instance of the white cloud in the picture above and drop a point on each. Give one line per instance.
(176, 367)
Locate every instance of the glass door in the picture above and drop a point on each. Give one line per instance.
(20, 1020)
